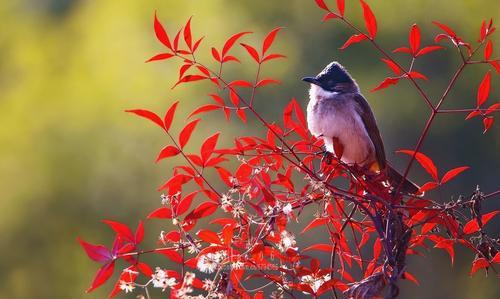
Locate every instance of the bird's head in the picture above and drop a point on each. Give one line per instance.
(333, 78)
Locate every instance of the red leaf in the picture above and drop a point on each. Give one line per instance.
(315, 223)
(197, 44)
(453, 173)
(402, 50)
(167, 151)
(97, 253)
(386, 83)
(205, 108)
(241, 83)
(264, 82)
(185, 203)
(203, 210)
(427, 186)
(377, 249)
(356, 38)
(428, 49)
(484, 89)
(121, 229)
(216, 55)
(488, 50)
(445, 29)
(186, 132)
(233, 96)
(370, 21)
(176, 181)
(496, 258)
(472, 114)
(189, 78)
(102, 276)
(268, 41)
(176, 40)
(320, 247)
(479, 264)
(329, 16)
(251, 50)
(187, 34)
(321, 4)
(393, 66)
(424, 161)
(472, 226)
(417, 75)
(161, 34)
(411, 278)
(139, 232)
(161, 56)
(230, 42)
(209, 236)
(242, 115)
(169, 115)
(208, 146)
(487, 122)
(341, 6)
(448, 246)
(149, 115)
(414, 39)
(492, 108)
(273, 56)
(171, 254)
(162, 213)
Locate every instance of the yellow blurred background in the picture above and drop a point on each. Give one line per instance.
(70, 156)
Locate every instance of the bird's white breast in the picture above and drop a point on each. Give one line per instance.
(332, 115)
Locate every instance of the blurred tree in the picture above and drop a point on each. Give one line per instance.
(70, 157)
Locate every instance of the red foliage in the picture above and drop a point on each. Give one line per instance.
(259, 193)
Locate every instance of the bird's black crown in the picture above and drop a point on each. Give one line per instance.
(333, 74)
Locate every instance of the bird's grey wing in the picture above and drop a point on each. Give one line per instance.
(371, 127)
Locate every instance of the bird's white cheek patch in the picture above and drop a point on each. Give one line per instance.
(319, 93)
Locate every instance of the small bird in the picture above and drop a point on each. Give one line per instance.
(339, 113)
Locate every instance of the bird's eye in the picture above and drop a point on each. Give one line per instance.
(331, 82)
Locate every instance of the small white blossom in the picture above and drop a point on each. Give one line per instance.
(189, 278)
(315, 282)
(209, 262)
(127, 286)
(287, 209)
(165, 199)
(161, 280)
(208, 284)
(238, 211)
(287, 241)
(237, 265)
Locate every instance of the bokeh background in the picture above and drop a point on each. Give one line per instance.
(70, 156)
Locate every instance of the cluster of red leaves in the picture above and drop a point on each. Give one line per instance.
(263, 194)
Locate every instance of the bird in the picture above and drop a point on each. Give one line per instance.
(340, 114)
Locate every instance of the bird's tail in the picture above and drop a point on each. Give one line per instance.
(396, 179)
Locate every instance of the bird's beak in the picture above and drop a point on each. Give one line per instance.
(311, 80)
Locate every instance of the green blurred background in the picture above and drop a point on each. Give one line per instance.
(70, 157)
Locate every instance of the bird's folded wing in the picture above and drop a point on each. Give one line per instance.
(371, 128)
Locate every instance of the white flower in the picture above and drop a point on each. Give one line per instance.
(165, 199)
(127, 286)
(287, 209)
(237, 265)
(184, 291)
(209, 262)
(161, 280)
(315, 282)
(208, 284)
(189, 278)
(287, 241)
(238, 211)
